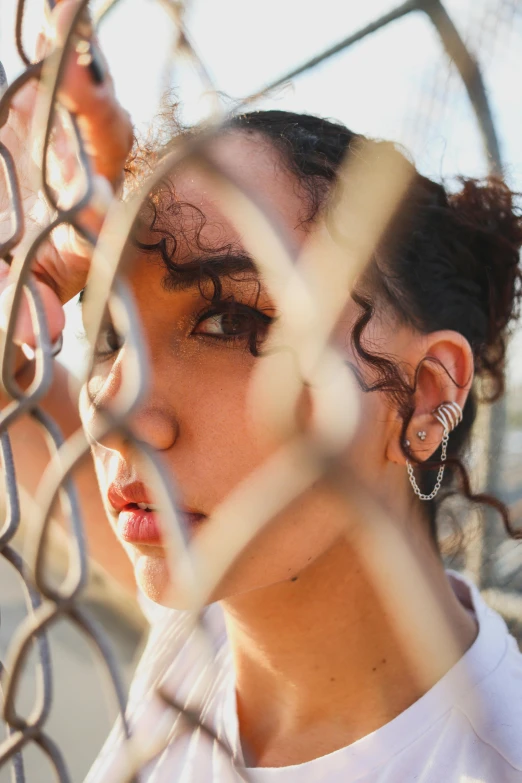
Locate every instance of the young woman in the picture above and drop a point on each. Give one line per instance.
(325, 665)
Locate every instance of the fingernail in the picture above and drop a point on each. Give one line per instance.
(96, 67)
(3, 77)
(40, 49)
(89, 56)
(3, 80)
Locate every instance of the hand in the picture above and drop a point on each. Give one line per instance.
(62, 263)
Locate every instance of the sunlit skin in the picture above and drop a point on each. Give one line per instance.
(320, 659)
(317, 660)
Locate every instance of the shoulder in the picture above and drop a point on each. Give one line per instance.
(494, 709)
(493, 706)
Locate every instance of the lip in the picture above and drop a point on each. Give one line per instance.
(139, 526)
(122, 495)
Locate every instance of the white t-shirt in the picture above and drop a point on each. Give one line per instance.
(466, 729)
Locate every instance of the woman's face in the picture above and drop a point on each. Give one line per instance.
(198, 413)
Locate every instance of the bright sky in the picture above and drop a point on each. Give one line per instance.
(394, 84)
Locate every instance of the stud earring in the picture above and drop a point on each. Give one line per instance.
(421, 435)
(449, 415)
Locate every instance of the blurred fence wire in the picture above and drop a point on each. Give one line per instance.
(305, 455)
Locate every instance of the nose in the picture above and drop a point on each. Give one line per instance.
(153, 421)
(156, 425)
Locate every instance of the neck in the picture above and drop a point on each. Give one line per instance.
(324, 660)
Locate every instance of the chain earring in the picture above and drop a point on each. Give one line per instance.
(449, 415)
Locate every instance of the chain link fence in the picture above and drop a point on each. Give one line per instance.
(306, 456)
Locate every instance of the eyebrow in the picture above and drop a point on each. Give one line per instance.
(181, 277)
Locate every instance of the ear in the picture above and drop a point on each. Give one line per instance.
(443, 372)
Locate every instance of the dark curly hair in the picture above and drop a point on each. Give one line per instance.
(450, 261)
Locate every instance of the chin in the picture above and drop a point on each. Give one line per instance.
(154, 578)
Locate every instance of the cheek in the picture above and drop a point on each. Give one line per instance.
(301, 535)
(95, 390)
(219, 437)
(367, 451)
(85, 409)
(299, 538)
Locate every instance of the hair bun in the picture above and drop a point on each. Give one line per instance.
(491, 226)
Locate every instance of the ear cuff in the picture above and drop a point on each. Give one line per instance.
(449, 415)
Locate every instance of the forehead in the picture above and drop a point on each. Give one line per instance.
(189, 207)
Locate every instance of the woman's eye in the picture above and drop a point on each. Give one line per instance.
(238, 322)
(226, 325)
(109, 342)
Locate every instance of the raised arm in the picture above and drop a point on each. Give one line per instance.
(61, 267)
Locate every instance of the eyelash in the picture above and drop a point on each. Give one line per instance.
(231, 308)
(106, 331)
(260, 321)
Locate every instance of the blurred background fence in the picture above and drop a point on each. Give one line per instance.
(441, 78)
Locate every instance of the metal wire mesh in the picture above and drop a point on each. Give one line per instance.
(305, 456)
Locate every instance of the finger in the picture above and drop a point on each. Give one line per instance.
(24, 330)
(74, 251)
(87, 91)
